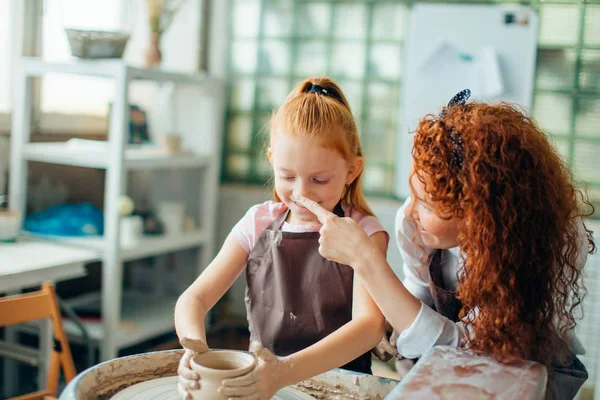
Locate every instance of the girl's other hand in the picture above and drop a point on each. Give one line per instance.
(342, 240)
(259, 384)
(188, 379)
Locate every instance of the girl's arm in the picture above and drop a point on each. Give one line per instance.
(193, 305)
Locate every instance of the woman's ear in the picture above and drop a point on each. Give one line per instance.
(354, 170)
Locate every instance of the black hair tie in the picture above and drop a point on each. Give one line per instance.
(325, 92)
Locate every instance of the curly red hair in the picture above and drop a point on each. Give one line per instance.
(519, 229)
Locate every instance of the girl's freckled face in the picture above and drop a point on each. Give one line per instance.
(314, 172)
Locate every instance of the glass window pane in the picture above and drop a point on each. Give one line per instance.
(592, 25)
(593, 193)
(314, 19)
(348, 60)
(242, 95)
(383, 102)
(262, 133)
(587, 122)
(389, 21)
(311, 59)
(271, 93)
(275, 57)
(278, 19)
(559, 24)
(562, 145)
(589, 75)
(555, 69)
(377, 179)
(353, 93)
(5, 57)
(245, 19)
(385, 61)
(264, 170)
(350, 21)
(68, 94)
(239, 133)
(238, 166)
(585, 163)
(553, 113)
(378, 144)
(244, 56)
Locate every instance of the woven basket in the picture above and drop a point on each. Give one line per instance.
(96, 44)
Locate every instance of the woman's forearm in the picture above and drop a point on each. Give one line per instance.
(339, 348)
(189, 317)
(397, 304)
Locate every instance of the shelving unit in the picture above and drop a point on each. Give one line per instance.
(129, 317)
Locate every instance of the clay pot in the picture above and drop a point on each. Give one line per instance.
(216, 365)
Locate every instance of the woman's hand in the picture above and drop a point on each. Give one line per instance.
(342, 240)
(188, 379)
(259, 384)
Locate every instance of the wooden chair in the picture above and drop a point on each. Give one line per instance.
(33, 306)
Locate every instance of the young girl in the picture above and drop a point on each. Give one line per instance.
(300, 306)
(493, 242)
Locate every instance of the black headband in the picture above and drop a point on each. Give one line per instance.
(458, 148)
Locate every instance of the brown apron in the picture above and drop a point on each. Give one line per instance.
(294, 296)
(564, 377)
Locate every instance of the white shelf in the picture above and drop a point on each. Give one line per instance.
(34, 66)
(201, 106)
(149, 245)
(136, 158)
(143, 316)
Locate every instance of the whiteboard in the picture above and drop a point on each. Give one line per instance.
(489, 49)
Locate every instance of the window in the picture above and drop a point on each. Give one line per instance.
(5, 57)
(78, 103)
(275, 44)
(567, 89)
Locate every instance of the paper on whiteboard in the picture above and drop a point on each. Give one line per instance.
(479, 72)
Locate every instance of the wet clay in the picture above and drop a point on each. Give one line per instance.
(460, 391)
(322, 391)
(468, 370)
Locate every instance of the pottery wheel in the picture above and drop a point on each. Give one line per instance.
(166, 389)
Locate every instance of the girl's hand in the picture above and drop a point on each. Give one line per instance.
(259, 384)
(188, 379)
(342, 240)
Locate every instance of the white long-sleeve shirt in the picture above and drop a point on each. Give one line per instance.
(430, 328)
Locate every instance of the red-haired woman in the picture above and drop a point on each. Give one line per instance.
(493, 242)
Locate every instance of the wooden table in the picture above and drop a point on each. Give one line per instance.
(29, 262)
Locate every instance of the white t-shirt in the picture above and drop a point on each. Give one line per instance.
(430, 328)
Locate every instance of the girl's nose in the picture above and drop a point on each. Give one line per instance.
(302, 189)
